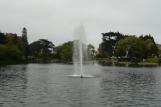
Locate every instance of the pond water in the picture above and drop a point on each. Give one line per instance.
(46, 85)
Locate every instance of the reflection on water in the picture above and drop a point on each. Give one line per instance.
(131, 88)
(12, 85)
(46, 85)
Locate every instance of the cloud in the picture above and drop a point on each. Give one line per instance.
(56, 19)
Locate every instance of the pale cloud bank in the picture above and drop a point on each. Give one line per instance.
(56, 19)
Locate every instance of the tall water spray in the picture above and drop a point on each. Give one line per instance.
(81, 59)
(80, 55)
(80, 51)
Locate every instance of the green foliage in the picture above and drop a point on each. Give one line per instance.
(13, 48)
(57, 54)
(25, 45)
(105, 49)
(10, 49)
(66, 52)
(42, 49)
(137, 48)
(134, 46)
(2, 38)
(153, 60)
(91, 51)
(115, 43)
(10, 53)
(16, 49)
(151, 47)
(109, 40)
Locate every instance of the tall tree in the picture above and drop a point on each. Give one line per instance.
(91, 51)
(64, 52)
(47, 47)
(25, 43)
(42, 49)
(2, 38)
(67, 52)
(151, 49)
(131, 47)
(106, 48)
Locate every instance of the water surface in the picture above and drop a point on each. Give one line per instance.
(46, 85)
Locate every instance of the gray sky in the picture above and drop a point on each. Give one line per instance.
(56, 19)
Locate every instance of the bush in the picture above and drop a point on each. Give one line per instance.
(10, 53)
(153, 60)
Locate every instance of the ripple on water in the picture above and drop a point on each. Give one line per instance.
(46, 85)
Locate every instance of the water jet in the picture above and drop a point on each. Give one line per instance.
(80, 55)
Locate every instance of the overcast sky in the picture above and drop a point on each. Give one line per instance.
(56, 19)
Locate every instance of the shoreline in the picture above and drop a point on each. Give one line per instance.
(128, 64)
(103, 63)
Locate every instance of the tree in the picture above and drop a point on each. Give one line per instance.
(91, 51)
(106, 48)
(151, 47)
(2, 38)
(134, 46)
(24, 36)
(67, 52)
(57, 52)
(10, 54)
(25, 44)
(64, 52)
(47, 48)
(42, 49)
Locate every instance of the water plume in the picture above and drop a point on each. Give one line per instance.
(80, 55)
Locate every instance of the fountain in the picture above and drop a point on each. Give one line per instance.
(80, 53)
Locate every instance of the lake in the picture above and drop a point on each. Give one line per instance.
(47, 85)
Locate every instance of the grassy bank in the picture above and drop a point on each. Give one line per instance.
(149, 62)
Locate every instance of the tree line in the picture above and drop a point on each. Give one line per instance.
(131, 48)
(13, 48)
(16, 49)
